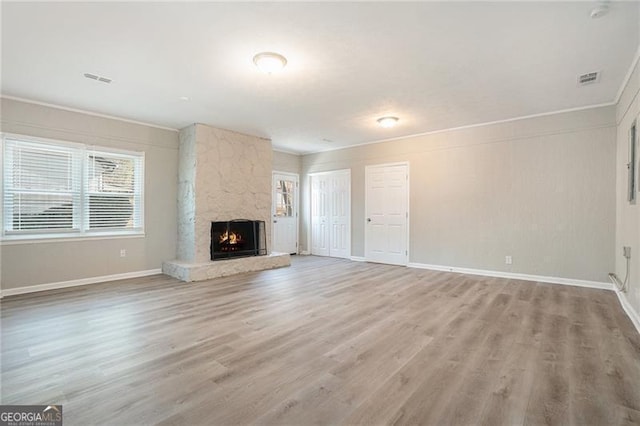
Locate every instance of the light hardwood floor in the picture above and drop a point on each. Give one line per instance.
(324, 342)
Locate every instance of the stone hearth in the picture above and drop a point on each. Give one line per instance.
(187, 271)
(222, 175)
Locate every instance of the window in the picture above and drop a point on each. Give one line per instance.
(284, 197)
(57, 189)
(631, 165)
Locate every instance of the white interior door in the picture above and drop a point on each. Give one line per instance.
(331, 214)
(386, 213)
(340, 218)
(285, 213)
(319, 216)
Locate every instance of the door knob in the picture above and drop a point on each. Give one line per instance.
(368, 219)
(275, 221)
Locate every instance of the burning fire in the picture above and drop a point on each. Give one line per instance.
(230, 238)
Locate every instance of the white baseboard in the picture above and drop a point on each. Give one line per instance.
(517, 276)
(354, 258)
(75, 283)
(631, 313)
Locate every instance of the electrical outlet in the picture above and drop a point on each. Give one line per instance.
(123, 253)
(508, 260)
(626, 252)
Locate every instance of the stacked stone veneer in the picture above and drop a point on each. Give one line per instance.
(222, 175)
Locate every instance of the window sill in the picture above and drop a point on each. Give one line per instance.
(39, 239)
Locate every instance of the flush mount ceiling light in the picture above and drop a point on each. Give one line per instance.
(387, 122)
(269, 62)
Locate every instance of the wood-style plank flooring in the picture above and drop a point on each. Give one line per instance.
(326, 341)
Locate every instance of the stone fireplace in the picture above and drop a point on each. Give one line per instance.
(222, 175)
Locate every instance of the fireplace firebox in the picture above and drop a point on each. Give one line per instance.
(238, 238)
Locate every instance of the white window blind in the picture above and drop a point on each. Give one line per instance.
(65, 189)
(113, 190)
(41, 188)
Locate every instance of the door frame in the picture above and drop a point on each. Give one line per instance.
(371, 166)
(310, 176)
(296, 209)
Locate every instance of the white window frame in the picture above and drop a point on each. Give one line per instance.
(82, 216)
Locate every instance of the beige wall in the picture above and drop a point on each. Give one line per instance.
(541, 190)
(26, 264)
(285, 162)
(628, 216)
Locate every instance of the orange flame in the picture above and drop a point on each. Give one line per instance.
(230, 238)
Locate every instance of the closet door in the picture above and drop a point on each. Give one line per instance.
(340, 238)
(331, 214)
(319, 216)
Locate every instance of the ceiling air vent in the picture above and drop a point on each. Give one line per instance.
(589, 78)
(98, 78)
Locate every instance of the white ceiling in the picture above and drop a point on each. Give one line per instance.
(434, 65)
